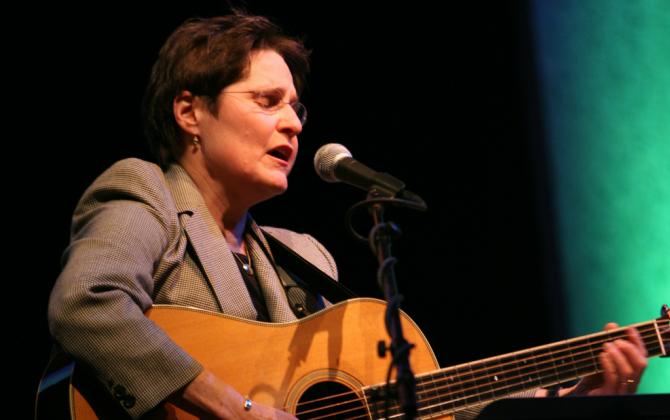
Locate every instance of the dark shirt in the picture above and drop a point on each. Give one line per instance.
(254, 288)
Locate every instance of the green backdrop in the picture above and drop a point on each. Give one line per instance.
(604, 71)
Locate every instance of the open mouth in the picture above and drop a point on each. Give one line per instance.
(282, 153)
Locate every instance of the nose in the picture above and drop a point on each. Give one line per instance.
(289, 122)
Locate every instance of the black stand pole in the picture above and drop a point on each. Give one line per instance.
(382, 235)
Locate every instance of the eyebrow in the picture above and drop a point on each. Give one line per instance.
(277, 90)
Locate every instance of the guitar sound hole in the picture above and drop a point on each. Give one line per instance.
(330, 400)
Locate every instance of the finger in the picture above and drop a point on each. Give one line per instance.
(282, 415)
(610, 378)
(268, 412)
(611, 326)
(634, 355)
(624, 369)
(636, 360)
(636, 339)
(625, 380)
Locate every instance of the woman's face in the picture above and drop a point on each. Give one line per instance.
(250, 146)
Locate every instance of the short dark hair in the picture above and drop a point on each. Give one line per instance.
(203, 56)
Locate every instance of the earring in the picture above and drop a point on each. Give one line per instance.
(196, 141)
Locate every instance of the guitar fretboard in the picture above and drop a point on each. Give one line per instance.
(452, 389)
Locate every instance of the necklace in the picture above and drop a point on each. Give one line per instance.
(246, 266)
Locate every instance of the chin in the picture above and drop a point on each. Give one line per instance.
(277, 187)
(268, 184)
(281, 189)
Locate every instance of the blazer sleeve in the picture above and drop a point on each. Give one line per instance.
(121, 227)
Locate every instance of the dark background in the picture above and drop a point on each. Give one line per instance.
(445, 100)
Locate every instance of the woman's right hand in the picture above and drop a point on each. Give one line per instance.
(213, 398)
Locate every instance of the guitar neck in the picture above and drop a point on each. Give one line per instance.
(452, 389)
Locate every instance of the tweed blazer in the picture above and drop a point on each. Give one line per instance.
(142, 236)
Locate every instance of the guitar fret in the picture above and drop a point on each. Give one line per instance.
(569, 367)
(472, 385)
(502, 378)
(548, 363)
(660, 340)
(428, 393)
(562, 366)
(587, 358)
(536, 380)
(524, 371)
(473, 381)
(591, 359)
(594, 357)
(485, 383)
(448, 385)
(458, 387)
(654, 342)
(431, 392)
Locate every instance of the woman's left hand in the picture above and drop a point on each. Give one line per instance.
(623, 362)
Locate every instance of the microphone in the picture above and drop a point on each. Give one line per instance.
(333, 163)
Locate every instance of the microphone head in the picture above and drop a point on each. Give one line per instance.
(326, 159)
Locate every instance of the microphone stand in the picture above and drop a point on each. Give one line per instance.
(380, 238)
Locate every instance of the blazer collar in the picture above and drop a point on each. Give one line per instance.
(186, 195)
(217, 260)
(210, 246)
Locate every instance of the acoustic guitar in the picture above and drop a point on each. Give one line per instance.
(326, 365)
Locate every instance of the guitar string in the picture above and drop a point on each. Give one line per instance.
(515, 362)
(609, 335)
(393, 409)
(486, 369)
(574, 364)
(460, 392)
(432, 390)
(490, 393)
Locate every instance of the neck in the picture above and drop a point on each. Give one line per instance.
(230, 218)
(235, 235)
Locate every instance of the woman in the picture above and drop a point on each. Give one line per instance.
(223, 117)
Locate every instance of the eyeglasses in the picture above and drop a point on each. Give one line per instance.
(271, 102)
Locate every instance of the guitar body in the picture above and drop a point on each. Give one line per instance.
(282, 365)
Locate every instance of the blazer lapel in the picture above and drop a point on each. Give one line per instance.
(263, 265)
(218, 263)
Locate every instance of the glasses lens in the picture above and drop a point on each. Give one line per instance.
(301, 112)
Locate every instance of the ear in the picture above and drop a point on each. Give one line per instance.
(184, 109)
